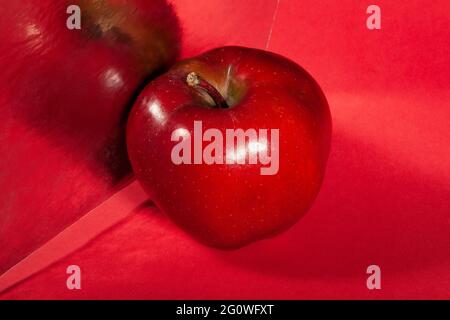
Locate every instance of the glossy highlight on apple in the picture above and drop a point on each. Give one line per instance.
(239, 147)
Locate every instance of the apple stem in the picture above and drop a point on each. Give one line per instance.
(195, 81)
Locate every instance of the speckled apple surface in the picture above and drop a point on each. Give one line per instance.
(385, 197)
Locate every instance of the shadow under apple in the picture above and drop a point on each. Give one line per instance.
(371, 210)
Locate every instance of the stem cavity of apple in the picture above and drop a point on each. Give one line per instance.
(197, 82)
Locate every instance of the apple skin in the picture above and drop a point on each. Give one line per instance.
(64, 98)
(228, 206)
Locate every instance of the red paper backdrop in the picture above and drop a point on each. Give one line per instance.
(385, 198)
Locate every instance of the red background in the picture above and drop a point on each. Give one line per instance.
(385, 198)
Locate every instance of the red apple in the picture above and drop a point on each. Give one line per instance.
(64, 99)
(220, 200)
